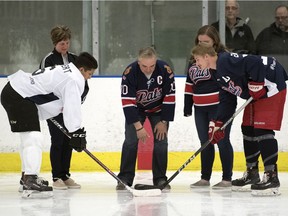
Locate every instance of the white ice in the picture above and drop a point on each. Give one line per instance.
(98, 197)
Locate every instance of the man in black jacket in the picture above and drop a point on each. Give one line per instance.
(272, 41)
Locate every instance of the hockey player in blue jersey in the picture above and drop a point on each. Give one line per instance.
(147, 91)
(262, 78)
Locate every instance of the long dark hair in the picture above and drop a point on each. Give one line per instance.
(211, 32)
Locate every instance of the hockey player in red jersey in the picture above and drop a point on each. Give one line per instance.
(262, 78)
(147, 90)
(43, 94)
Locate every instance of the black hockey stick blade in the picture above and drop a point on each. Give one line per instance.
(161, 187)
(147, 187)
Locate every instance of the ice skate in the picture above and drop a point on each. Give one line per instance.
(251, 176)
(33, 187)
(45, 182)
(269, 186)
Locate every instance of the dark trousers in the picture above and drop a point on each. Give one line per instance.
(60, 151)
(129, 154)
(202, 117)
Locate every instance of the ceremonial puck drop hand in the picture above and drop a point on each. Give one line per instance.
(214, 132)
(78, 140)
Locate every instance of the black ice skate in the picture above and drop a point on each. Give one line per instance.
(269, 186)
(33, 187)
(44, 182)
(251, 176)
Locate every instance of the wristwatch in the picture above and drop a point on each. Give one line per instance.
(164, 122)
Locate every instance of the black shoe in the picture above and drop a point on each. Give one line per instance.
(120, 186)
(251, 176)
(162, 182)
(269, 186)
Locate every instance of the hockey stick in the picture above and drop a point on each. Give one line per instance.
(138, 193)
(161, 187)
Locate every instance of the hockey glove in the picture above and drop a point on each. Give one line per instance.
(257, 90)
(214, 132)
(78, 140)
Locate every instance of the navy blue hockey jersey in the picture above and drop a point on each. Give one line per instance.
(200, 89)
(143, 96)
(234, 71)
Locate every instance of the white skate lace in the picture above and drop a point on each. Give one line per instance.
(40, 181)
(244, 176)
(265, 178)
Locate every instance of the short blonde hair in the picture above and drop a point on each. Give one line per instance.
(203, 49)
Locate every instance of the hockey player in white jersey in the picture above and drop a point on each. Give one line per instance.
(43, 94)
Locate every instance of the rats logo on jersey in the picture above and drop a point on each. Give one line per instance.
(233, 89)
(146, 97)
(197, 75)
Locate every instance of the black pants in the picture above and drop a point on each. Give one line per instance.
(129, 154)
(60, 151)
(22, 113)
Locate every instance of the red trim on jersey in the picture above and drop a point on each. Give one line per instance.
(206, 99)
(169, 99)
(126, 102)
(154, 110)
(188, 88)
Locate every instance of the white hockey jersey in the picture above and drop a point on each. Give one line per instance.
(54, 90)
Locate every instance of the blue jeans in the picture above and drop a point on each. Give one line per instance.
(129, 153)
(202, 117)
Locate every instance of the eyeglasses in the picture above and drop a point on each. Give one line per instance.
(281, 17)
(231, 8)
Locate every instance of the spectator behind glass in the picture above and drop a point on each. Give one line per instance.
(238, 35)
(272, 40)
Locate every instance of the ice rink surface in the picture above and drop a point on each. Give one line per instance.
(98, 197)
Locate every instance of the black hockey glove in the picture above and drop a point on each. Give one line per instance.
(78, 140)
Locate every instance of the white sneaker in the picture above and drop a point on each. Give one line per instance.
(71, 184)
(59, 185)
